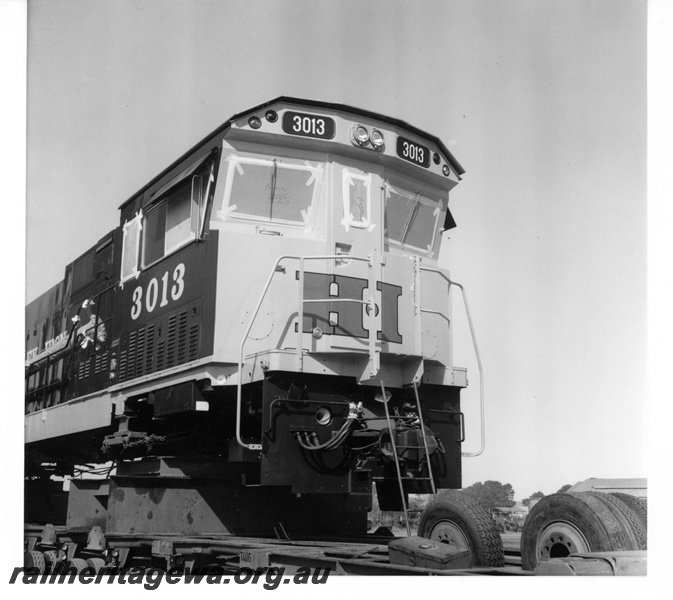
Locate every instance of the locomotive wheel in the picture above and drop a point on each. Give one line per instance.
(564, 524)
(35, 560)
(637, 505)
(460, 521)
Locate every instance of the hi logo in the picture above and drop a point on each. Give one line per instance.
(350, 318)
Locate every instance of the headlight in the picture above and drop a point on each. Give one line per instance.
(377, 139)
(360, 134)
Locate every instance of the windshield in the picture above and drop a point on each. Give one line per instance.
(274, 189)
(411, 217)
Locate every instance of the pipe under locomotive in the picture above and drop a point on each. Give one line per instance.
(264, 339)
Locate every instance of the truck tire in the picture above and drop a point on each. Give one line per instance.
(626, 515)
(637, 505)
(34, 560)
(97, 564)
(79, 564)
(457, 519)
(50, 558)
(567, 523)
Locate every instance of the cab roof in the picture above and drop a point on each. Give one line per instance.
(313, 104)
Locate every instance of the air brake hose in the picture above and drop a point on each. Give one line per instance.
(331, 444)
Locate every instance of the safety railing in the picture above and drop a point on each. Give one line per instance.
(444, 276)
(392, 427)
(374, 357)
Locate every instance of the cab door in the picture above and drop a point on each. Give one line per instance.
(357, 230)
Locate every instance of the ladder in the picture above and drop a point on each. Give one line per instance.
(392, 428)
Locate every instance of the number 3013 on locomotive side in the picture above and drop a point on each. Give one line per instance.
(158, 291)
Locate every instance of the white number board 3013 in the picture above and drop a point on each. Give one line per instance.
(159, 292)
(413, 152)
(307, 125)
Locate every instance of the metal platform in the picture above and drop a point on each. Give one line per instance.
(364, 555)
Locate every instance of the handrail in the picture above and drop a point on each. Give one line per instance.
(476, 351)
(239, 386)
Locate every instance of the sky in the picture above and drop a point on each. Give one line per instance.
(543, 102)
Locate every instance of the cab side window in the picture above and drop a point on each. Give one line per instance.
(170, 223)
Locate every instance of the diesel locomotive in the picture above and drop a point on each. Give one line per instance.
(264, 339)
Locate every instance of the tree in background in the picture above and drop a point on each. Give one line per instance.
(492, 493)
(532, 499)
(565, 488)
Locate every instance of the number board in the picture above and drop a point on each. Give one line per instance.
(413, 152)
(309, 125)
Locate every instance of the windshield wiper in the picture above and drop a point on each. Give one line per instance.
(412, 216)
